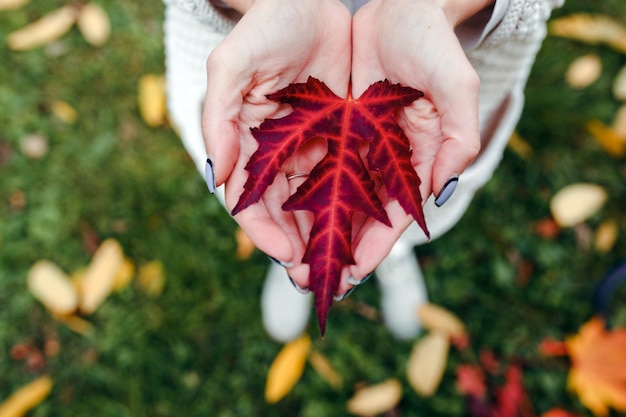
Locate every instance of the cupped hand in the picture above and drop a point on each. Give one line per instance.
(274, 44)
(412, 42)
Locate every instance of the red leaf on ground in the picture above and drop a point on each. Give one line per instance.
(340, 184)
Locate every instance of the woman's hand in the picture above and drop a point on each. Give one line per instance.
(274, 44)
(412, 42)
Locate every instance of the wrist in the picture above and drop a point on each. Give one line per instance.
(241, 6)
(457, 11)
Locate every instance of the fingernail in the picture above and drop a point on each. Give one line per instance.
(354, 281)
(281, 263)
(346, 295)
(447, 191)
(209, 175)
(298, 288)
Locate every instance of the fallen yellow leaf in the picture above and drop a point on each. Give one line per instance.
(45, 30)
(427, 363)
(518, 145)
(619, 122)
(124, 275)
(376, 399)
(93, 23)
(99, 278)
(151, 98)
(64, 111)
(325, 370)
(583, 71)
(598, 372)
(439, 319)
(27, 397)
(52, 287)
(286, 369)
(245, 247)
(76, 324)
(592, 29)
(619, 84)
(611, 142)
(575, 203)
(606, 236)
(151, 278)
(12, 4)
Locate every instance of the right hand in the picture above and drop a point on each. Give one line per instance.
(275, 43)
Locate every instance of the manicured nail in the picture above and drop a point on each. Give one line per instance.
(298, 288)
(354, 281)
(281, 263)
(447, 191)
(209, 175)
(346, 295)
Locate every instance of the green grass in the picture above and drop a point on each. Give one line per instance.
(199, 349)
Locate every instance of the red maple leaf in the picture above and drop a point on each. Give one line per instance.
(341, 183)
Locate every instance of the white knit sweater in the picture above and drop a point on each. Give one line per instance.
(502, 54)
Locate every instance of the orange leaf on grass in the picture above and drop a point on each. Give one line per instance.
(286, 369)
(27, 397)
(598, 372)
(558, 412)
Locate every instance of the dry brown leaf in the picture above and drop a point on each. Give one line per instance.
(518, 145)
(151, 278)
(245, 247)
(611, 142)
(325, 370)
(12, 4)
(45, 30)
(94, 24)
(52, 287)
(584, 71)
(606, 236)
(99, 278)
(439, 319)
(26, 398)
(593, 29)
(427, 363)
(64, 111)
(575, 203)
(376, 399)
(152, 101)
(286, 369)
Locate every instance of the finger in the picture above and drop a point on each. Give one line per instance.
(258, 220)
(226, 87)
(457, 105)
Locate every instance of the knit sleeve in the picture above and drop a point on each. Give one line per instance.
(522, 19)
(205, 12)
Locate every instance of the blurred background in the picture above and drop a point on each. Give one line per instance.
(87, 156)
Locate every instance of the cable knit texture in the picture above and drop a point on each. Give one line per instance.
(502, 60)
(205, 12)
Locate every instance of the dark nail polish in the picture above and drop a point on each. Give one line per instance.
(346, 295)
(447, 191)
(298, 288)
(281, 263)
(209, 176)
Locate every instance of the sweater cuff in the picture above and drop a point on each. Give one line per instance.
(472, 31)
(205, 12)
